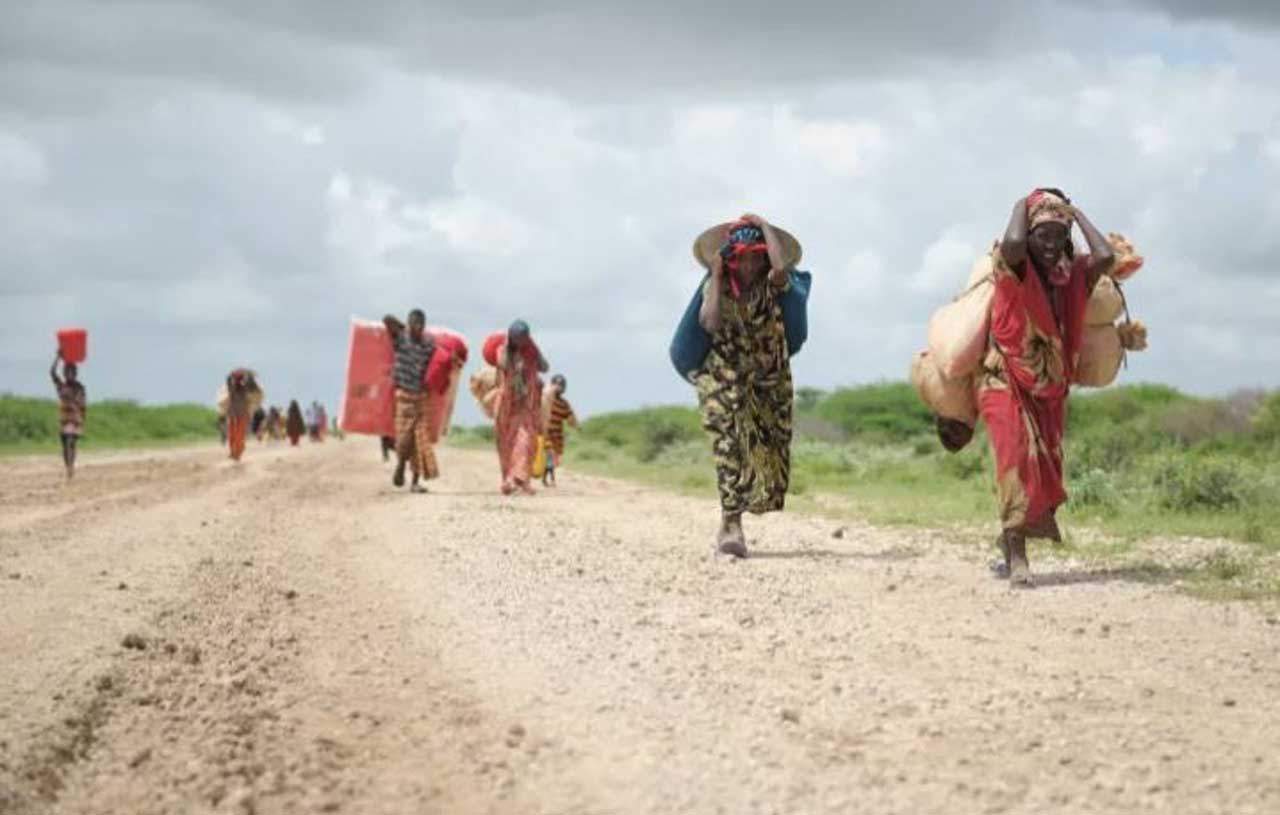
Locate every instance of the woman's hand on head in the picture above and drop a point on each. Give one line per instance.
(755, 220)
(717, 266)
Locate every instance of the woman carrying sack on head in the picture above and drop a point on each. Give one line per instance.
(744, 381)
(1042, 291)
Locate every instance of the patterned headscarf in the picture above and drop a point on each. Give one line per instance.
(744, 238)
(519, 363)
(1044, 207)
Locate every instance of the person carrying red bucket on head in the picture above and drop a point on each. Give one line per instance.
(72, 407)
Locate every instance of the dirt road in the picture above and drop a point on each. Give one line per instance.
(179, 635)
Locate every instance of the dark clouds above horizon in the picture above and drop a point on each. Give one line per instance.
(213, 184)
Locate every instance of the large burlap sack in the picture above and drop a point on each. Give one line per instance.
(958, 330)
(484, 387)
(256, 398)
(1101, 355)
(1128, 261)
(948, 398)
(1106, 304)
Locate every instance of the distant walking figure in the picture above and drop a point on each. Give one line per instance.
(73, 407)
(243, 398)
(294, 426)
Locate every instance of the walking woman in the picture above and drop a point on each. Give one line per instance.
(243, 398)
(73, 407)
(744, 385)
(518, 413)
(294, 425)
(1037, 325)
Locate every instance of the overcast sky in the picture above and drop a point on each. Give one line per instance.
(212, 184)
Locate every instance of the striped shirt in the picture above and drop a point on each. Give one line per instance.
(558, 411)
(412, 357)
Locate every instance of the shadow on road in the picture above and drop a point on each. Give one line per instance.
(894, 554)
(1147, 574)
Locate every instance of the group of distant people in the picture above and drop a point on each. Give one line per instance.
(529, 416)
(241, 414)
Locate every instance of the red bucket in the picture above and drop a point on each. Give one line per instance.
(74, 344)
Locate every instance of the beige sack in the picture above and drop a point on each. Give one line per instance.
(948, 398)
(1100, 357)
(1128, 261)
(1106, 304)
(958, 330)
(484, 387)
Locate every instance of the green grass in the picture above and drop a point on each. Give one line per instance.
(30, 425)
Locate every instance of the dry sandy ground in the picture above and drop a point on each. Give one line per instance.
(303, 638)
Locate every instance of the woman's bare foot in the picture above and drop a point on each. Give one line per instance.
(731, 540)
(1020, 576)
(1000, 566)
(398, 478)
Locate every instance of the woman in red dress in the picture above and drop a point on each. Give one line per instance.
(1037, 324)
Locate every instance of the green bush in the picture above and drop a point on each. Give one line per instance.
(890, 412)
(1128, 405)
(645, 434)
(821, 460)
(1266, 422)
(1107, 448)
(974, 461)
(1095, 489)
(1202, 421)
(1189, 484)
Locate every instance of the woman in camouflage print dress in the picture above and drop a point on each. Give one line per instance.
(744, 387)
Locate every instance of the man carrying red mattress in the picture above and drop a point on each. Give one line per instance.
(413, 349)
